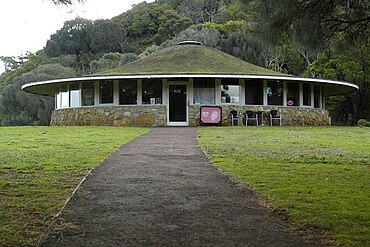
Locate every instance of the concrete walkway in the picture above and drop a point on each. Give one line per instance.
(160, 190)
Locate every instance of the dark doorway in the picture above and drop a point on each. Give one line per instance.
(177, 103)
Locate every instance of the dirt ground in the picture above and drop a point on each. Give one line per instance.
(160, 190)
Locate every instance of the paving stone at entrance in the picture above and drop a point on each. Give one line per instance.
(161, 190)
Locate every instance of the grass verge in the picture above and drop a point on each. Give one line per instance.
(40, 167)
(319, 176)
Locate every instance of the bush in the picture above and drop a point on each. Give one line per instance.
(363, 123)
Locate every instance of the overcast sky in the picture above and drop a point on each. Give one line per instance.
(25, 25)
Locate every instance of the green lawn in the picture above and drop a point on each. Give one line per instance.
(40, 167)
(319, 176)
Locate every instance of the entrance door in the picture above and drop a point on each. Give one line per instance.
(177, 108)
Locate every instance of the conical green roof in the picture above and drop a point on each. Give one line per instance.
(190, 59)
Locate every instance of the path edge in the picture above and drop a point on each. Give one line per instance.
(45, 234)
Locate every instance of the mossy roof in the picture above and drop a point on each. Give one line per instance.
(190, 60)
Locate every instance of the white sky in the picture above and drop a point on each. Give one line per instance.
(25, 25)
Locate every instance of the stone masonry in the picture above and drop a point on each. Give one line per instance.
(156, 115)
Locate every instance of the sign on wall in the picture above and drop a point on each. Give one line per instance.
(210, 115)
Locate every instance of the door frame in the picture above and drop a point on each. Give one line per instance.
(182, 83)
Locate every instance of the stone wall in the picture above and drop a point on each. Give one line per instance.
(156, 115)
(291, 116)
(145, 115)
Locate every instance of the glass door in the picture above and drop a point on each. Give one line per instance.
(177, 104)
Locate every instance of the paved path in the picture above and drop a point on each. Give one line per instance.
(160, 190)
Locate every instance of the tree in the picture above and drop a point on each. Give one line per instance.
(20, 108)
(351, 66)
(73, 38)
(315, 22)
(107, 36)
(171, 25)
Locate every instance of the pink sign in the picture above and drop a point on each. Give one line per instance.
(210, 114)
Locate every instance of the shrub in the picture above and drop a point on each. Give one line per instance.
(363, 123)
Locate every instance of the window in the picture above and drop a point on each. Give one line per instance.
(306, 94)
(152, 91)
(127, 92)
(274, 93)
(292, 94)
(74, 95)
(230, 90)
(204, 91)
(88, 89)
(106, 92)
(317, 96)
(64, 97)
(253, 92)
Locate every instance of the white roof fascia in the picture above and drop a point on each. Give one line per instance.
(241, 76)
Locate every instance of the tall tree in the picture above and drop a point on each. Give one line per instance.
(107, 36)
(315, 22)
(73, 38)
(20, 108)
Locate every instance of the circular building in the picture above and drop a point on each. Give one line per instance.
(173, 86)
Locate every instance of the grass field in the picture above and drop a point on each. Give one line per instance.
(40, 167)
(319, 176)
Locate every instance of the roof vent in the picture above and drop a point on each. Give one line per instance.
(189, 42)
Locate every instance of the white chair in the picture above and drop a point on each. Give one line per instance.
(275, 115)
(250, 115)
(234, 116)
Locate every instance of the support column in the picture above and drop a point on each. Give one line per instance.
(115, 92)
(242, 92)
(300, 94)
(312, 96)
(80, 93)
(97, 93)
(265, 101)
(139, 91)
(285, 93)
(218, 92)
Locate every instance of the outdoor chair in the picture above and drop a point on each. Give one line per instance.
(275, 115)
(250, 115)
(234, 116)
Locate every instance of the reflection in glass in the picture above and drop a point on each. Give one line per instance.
(306, 94)
(254, 92)
(292, 94)
(152, 91)
(127, 92)
(274, 93)
(230, 90)
(88, 89)
(204, 91)
(106, 92)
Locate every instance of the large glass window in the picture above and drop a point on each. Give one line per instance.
(88, 89)
(306, 94)
(274, 93)
(230, 90)
(74, 95)
(127, 92)
(254, 92)
(204, 91)
(317, 98)
(106, 92)
(65, 97)
(152, 91)
(292, 94)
